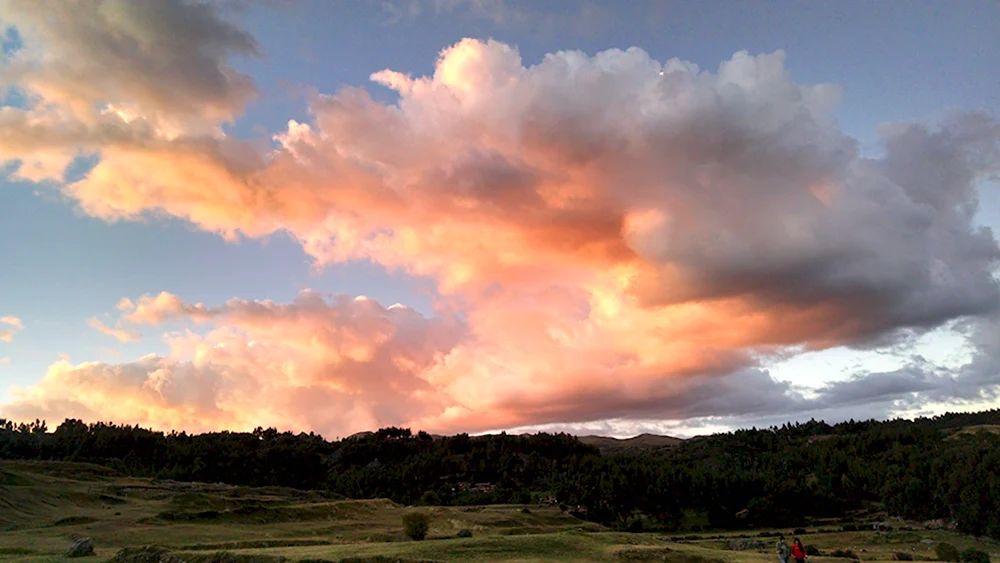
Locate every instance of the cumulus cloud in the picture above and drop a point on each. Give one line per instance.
(8, 326)
(338, 365)
(118, 333)
(731, 189)
(164, 59)
(623, 237)
(106, 73)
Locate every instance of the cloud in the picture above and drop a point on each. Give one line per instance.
(4, 360)
(731, 190)
(623, 238)
(165, 58)
(14, 324)
(108, 73)
(338, 365)
(118, 333)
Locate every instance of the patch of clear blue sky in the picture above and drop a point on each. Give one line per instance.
(894, 60)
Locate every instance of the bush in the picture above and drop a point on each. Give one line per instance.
(800, 531)
(844, 553)
(903, 556)
(415, 525)
(465, 533)
(946, 552)
(973, 555)
(813, 550)
(430, 498)
(850, 528)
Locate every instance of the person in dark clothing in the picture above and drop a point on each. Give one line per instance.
(798, 551)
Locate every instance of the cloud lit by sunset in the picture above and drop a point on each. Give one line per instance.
(607, 237)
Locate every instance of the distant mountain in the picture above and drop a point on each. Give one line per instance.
(641, 442)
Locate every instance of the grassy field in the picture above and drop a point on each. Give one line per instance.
(44, 506)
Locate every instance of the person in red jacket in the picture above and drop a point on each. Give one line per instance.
(798, 551)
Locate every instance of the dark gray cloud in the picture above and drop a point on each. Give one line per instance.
(157, 59)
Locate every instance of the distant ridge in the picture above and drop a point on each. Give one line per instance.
(605, 444)
(641, 442)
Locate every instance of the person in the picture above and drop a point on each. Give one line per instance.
(798, 551)
(782, 550)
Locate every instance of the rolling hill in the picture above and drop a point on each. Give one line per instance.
(641, 442)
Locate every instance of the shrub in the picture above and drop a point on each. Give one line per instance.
(903, 556)
(844, 553)
(973, 555)
(850, 528)
(430, 498)
(415, 525)
(800, 531)
(946, 552)
(813, 550)
(465, 533)
(635, 526)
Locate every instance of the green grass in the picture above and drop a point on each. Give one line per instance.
(44, 505)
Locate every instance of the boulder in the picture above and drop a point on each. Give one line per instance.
(743, 544)
(81, 548)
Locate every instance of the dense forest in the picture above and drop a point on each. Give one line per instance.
(928, 468)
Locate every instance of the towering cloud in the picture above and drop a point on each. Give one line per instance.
(623, 237)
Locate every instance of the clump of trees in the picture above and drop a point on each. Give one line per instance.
(917, 469)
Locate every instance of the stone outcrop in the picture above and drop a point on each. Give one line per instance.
(81, 548)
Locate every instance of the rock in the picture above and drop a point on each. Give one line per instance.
(81, 548)
(741, 545)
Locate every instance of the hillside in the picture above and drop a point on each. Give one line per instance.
(46, 505)
(944, 468)
(607, 445)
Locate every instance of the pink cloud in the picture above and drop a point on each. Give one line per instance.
(352, 362)
(118, 333)
(621, 236)
(15, 324)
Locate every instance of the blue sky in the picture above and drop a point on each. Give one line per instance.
(60, 266)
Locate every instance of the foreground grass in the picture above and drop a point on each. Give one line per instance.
(44, 505)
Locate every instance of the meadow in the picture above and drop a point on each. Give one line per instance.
(45, 505)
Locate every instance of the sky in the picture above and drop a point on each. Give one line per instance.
(482, 215)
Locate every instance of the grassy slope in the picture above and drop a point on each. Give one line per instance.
(43, 505)
(641, 442)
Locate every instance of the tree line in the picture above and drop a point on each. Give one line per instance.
(922, 469)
